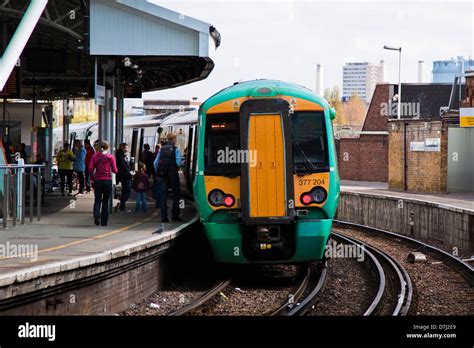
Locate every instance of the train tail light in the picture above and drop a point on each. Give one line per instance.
(317, 195)
(218, 198)
(306, 198)
(229, 201)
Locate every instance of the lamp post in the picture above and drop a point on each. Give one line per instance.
(399, 49)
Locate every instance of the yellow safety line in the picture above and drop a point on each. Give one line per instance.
(62, 246)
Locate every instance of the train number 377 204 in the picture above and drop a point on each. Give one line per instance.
(304, 182)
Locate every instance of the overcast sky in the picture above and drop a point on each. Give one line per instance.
(286, 39)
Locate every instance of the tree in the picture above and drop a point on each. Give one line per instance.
(333, 96)
(354, 110)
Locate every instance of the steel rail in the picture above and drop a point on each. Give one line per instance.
(465, 269)
(202, 299)
(379, 272)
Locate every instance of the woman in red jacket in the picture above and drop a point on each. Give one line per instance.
(101, 167)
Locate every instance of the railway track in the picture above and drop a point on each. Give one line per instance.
(203, 299)
(298, 302)
(440, 283)
(387, 269)
(463, 267)
(306, 293)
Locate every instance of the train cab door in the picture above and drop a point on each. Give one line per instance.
(266, 185)
(72, 139)
(135, 147)
(189, 166)
(267, 172)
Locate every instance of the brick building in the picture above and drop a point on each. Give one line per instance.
(377, 152)
(365, 157)
(419, 152)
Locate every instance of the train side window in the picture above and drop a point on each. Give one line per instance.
(222, 135)
(310, 147)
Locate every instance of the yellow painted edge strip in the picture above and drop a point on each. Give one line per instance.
(100, 236)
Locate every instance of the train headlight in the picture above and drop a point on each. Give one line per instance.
(317, 195)
(218, 198)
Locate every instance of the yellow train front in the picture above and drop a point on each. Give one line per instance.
(266, 182)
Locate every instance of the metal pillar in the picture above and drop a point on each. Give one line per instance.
(32, 195)
(6, 194)
(119, 113)
(65, 121)
(48, 174)
(19, 40)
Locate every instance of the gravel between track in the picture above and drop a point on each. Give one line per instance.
(349, 290)
(255, 293)
(438, 289)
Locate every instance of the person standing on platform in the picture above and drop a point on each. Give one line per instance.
(101, 167)
(22, 151)
(148, 159)
(79, 164)
(124, 177)
(167, 164)
(141, 186)
(90, 153)
(65, 167)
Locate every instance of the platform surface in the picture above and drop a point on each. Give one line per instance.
(458, 200)
(67, 232)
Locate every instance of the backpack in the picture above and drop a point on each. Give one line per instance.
(163, 163)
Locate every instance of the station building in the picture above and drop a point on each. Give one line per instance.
(95, 49)
(427, 150)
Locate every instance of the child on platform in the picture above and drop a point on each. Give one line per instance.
(140, 186)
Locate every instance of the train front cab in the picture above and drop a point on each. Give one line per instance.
(275, 202)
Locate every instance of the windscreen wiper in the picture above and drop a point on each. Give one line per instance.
(307, 163)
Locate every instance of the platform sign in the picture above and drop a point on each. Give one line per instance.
(433, 144)
(466, 117)
(100, 95)
(417, 146)
(12, 87)
(132, 91)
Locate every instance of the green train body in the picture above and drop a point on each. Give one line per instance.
(275, 200)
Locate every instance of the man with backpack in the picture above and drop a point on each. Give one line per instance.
(166, 165)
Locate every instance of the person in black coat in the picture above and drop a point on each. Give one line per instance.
(123, 176)
(148, 159)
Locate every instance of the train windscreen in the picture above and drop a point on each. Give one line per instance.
(309, 138)
(222, 137)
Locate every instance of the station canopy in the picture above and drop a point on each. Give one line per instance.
(148, 46)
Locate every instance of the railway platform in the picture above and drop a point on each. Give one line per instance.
(445, 220)
(458, 200)
(65, 247)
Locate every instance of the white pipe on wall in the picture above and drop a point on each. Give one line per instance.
(20, 38)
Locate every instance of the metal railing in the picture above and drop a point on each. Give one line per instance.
(15, 179)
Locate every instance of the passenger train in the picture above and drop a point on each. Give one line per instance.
(137, 131)
(261, 163)
(266, 182)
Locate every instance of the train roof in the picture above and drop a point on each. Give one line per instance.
(76, 126)
(144, 120)
(181, 118)
(178, 118)
(251, 89)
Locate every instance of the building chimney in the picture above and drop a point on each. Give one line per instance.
(382, 72)
(319, 79)
(421, 67)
